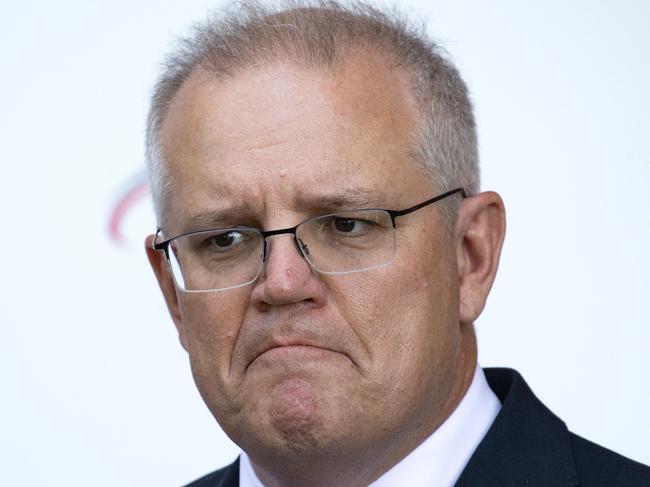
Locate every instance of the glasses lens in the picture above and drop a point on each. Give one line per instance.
(216, 259)
(348, 241)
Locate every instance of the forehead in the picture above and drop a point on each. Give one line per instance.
(280, 135)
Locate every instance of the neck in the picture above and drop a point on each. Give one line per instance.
(347, 466)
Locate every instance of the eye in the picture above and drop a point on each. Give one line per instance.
(352, 227)
(346, 225)
(226, 240)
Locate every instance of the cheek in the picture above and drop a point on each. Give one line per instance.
(406, 314)
(211, 322)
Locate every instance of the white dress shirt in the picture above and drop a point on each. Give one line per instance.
(440, 459)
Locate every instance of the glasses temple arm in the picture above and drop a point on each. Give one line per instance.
(395, 213)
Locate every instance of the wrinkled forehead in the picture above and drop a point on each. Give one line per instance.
(282, 134)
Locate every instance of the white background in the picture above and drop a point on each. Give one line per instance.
(95, 389)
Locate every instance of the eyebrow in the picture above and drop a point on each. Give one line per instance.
(214, 219)
(342, 199)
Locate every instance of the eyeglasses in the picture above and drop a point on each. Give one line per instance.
(338, 243)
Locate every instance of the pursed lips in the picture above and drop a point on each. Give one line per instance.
(299, 345)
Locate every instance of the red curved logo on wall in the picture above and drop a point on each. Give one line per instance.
(131, 192)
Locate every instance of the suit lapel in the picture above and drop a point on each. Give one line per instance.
(231, 475)
(526, 445)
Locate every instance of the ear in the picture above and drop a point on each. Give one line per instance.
(480, 231)
(161, 269)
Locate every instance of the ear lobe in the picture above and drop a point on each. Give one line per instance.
(160, 268)
(479, 237)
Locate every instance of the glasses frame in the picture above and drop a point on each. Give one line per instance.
(164, 245)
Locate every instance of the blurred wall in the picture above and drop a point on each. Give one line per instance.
(94, 383)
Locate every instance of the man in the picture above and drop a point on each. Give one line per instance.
(324, 250)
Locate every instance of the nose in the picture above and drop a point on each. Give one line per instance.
(286, 277)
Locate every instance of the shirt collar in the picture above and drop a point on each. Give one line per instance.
(440, 459)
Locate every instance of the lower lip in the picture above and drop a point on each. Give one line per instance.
(296, 351)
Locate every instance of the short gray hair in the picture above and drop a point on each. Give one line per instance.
(320, 33)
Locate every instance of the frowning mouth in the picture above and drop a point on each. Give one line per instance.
(293, 352)
(295, 348)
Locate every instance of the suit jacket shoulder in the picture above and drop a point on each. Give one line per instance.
(598, 466)
(528, 445)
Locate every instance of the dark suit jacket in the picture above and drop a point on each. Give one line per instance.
(527, 445)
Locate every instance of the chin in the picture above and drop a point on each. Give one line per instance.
(295, 417)
(296, 414)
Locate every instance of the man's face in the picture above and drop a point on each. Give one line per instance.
(299, 361)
